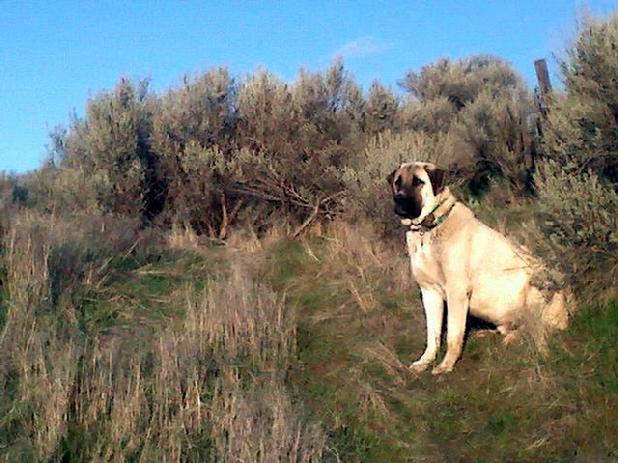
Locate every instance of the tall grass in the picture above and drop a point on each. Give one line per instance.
(208, 386)
(39, 353)
(361, 323)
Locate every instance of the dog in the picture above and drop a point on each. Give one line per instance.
(459, 260)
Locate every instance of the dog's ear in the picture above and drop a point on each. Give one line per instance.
(390, 177)
(437, 177)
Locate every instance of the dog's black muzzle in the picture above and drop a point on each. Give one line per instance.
(405, 207)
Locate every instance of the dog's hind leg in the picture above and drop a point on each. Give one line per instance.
(434, 311)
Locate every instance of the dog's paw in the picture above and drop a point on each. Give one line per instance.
(511, 337)
(418, 366)
(441, 369)
(480, 334)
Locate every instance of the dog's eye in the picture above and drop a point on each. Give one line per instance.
(416, 181)
(398, 182)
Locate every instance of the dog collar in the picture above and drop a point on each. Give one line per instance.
(431, 221)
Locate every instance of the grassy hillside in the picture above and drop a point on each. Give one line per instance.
(502, 403)
(274, 349)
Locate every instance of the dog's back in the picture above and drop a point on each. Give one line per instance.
(498, 273)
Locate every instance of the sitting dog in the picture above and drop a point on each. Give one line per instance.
(458, 259)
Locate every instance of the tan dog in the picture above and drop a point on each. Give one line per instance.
(458, 259)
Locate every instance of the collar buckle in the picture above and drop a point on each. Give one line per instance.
(431, 221)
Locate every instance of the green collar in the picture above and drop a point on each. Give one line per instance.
(431, 221)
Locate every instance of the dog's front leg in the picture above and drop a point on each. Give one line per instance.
(458, 301)
(434, 310)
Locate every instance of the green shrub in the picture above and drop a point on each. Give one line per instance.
(216, 150)
(266, 119)
(461, 81)
(297, 171)
(382, 111)
(576, 181)
(368, 194)
(581, 131)
(482, 106)
(110, 145)
(494, 141)
(60, 189)
(580, 224)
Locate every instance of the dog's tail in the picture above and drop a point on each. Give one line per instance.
(552, 307)
(556, 312)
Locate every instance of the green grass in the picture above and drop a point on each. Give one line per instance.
(141, 293)
(500, 404)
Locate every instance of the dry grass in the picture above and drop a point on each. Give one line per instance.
(206, 387)
(274, 337)
(237, 318)
(214, 386)
(260, 424)
(37, 351)
(358, 257)
(182, 237)
(361, 323)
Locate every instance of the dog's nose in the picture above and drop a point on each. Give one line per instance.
(398, 195)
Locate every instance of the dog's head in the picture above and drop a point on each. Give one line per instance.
(415, 187)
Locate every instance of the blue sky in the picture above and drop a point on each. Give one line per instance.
(55, 54)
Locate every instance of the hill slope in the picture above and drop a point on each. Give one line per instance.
(276, 349)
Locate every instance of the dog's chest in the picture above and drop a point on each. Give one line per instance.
(422, 251)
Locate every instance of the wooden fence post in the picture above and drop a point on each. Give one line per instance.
(543, 93)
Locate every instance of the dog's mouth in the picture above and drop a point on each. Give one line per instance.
(406, 208)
